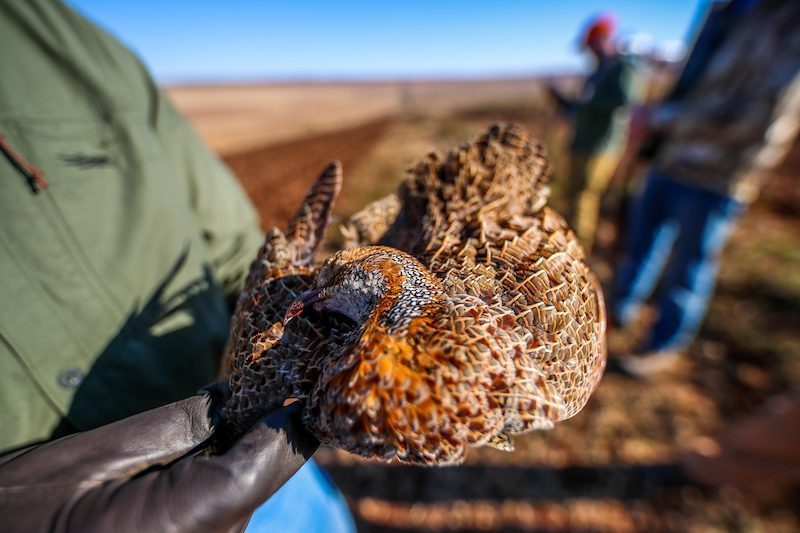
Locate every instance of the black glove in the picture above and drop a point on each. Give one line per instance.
(152, 472)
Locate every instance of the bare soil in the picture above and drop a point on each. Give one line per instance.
(278, 176)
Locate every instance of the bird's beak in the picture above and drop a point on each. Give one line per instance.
(299, 305)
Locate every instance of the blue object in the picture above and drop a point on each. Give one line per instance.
(309, 502)
(690, 223)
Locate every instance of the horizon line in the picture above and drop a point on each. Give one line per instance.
(344, 79)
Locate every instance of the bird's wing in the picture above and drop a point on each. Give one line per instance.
(281, 272)
(546, 282)
(291, 253)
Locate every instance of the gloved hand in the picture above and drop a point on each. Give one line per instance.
(152, 472)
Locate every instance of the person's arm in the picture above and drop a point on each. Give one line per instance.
(228, 219)
(565, 105)
(151, 472)
(775, 123)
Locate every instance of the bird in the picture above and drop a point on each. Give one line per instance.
(462, 311)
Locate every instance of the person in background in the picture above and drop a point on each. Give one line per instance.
(599, 118)
(731, 118)
(123, 245)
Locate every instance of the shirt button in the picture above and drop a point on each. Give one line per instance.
(70, 378)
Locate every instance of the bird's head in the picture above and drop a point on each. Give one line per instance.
(370, 282)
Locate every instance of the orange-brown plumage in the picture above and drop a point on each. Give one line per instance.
(474, 318)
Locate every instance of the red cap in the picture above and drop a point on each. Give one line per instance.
(600, 27)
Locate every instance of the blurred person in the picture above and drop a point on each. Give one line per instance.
(124, 245)
(731, 118)
(599, 119)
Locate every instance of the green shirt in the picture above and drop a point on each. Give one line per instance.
(116, 279)
(599, 115)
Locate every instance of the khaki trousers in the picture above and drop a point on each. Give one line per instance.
(589, 176)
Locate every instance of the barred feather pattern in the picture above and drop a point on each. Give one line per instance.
(463, 314)
(265, 362)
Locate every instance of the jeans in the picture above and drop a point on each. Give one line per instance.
(308, 503)
(693, 225)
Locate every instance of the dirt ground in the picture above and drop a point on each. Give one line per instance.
(599, 470)
(285, 170)
(239, 118)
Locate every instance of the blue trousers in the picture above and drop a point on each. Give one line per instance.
(308, 503)
(692, 226)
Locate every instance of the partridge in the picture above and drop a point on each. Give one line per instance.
(462, 313)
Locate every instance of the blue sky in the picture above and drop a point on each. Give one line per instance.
(239, 40)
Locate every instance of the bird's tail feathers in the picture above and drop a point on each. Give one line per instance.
(307, 227)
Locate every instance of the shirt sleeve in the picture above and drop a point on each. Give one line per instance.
(227, 219)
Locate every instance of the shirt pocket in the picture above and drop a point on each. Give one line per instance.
(54, 310)
(94, 253)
